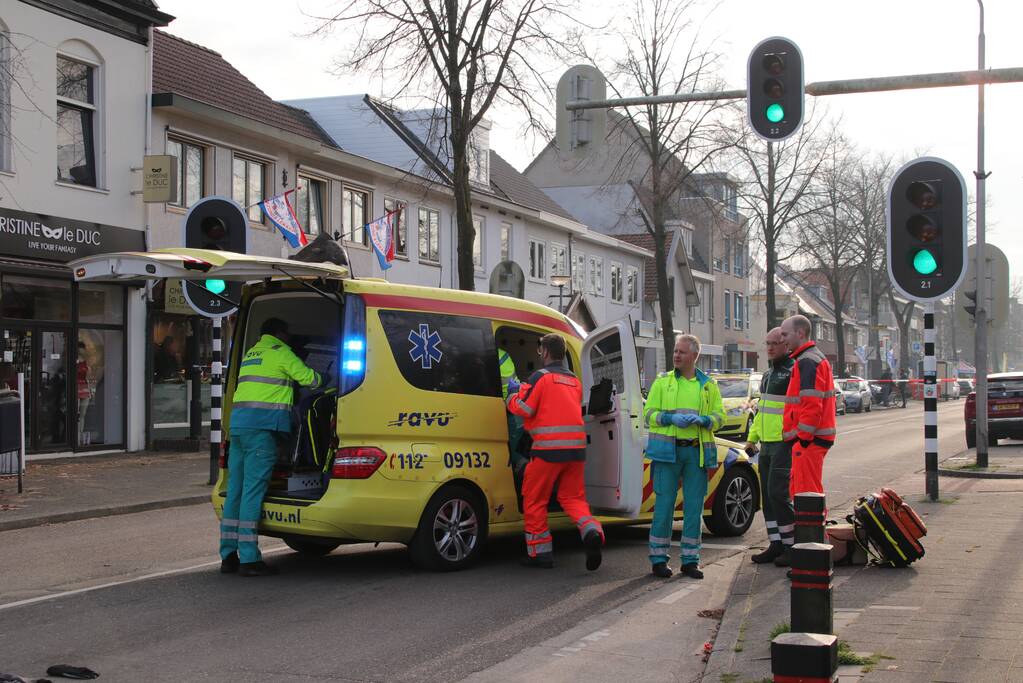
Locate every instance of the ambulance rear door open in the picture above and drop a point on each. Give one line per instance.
(615, 439)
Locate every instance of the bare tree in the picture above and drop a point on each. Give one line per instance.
(775, 180)
(465, 56)
(824, 234)
(866, 200)
(903, 318)
(662, 145)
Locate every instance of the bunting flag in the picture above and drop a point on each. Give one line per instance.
(381, 236)
(278, 210)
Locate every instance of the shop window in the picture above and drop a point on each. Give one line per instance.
(247, 186)
(191, 170)
(29, 298)
(399, 221)
(99, 387)
(76, 111)
(310, 200)
(354, 205)
(102, 304)
(449, 353)
(429, 235)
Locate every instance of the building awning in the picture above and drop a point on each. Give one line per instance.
(712, 350)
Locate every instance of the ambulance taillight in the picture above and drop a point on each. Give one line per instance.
(358, 462)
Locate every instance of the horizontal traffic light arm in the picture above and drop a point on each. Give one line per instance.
(844, 87)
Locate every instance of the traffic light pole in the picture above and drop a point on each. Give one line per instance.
(216, 392)
(981, 314)
(930, 404)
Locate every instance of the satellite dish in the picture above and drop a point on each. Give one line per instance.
(508, 279)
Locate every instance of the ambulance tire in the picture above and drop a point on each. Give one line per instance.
(735, 503)
(309, 548)
(433, 547)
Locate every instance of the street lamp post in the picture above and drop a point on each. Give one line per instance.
(560, 281)
(981, 313)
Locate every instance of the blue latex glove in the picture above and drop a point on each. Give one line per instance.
(664, 419)
(703, 421)
(513, 386)
(683, 420)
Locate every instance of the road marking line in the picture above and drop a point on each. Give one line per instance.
(899, 607)
(581, 643)
(111, 584)
(677, 595)
(724, 546)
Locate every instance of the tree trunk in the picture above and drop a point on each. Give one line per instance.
(839, 342)
(873, 336)
(463, 205)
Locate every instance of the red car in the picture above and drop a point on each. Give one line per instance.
(1004, 409)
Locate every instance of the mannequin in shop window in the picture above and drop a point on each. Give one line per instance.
(85, 394)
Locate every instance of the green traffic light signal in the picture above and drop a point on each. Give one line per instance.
(774, 112)
(924, 262)
(216, 286)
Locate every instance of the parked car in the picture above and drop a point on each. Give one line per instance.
(739, 395)
(1004, 409)
(840, 407)
(856, 394)
(965, 385)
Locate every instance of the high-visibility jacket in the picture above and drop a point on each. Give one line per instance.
(812, 417)
(550, 402)
(507, 367)
(264, 394)
(767, 423)
(665, 398)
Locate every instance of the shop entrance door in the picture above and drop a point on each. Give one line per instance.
(42, 355)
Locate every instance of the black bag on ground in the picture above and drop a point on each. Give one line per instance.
(892, 528)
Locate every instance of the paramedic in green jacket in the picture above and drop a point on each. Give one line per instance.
(682, 411)
(510, 385)
(775, 462)
(260, 412)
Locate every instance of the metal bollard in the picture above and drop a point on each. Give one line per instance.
(804, 657)
(811, 606)
(810, 514)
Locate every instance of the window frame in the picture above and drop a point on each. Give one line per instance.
(506, 240)
(596, 268)
(183, 201)
(728, 309)
(579, 277)
(348, 233)
(726, 259)
(537, 261)
(89, 111)
(738, 311)
(479, 224)
(739, 260)
(432, 236)
(400, 228)
(616, 268)
(247, 206)
(324, 202)
(558, 254)
(632, 284)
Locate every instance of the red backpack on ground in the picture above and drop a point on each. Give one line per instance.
(892, 528)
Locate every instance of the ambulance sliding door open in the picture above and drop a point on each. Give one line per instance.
(614, 451)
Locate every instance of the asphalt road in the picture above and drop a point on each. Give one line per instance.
(138, 597)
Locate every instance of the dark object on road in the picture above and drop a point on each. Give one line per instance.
(592, 542)
(79, 673)
(320, 250)
(892, 527)
(256, 569)
(229, 565)
(661, 570)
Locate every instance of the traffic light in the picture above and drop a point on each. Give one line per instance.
(774, 89)
(926, 221)
(215, 223)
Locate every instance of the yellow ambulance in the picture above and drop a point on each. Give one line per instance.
(411, 443)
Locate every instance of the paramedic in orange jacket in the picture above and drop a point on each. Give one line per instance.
(550, 402)
(809, 422)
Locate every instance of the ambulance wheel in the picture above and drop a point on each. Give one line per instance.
(735, 503)
(310, 548)
(451, 532)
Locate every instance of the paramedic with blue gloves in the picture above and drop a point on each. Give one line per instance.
(260, 413)
(682, 410)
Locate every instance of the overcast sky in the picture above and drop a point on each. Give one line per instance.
(264, 40)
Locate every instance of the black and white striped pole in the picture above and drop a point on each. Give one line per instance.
(216, 392)
(930, 404)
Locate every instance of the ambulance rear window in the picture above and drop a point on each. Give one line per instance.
(449, 353)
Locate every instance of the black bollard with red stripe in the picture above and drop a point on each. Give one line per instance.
(804, 658)
(810, 515)
(811, 607)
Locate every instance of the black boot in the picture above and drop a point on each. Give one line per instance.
(256, 569)
(661, 570)
(785, 559)
(538, 562)
(592, 542)
(773, 551)
(692, 571)
(229, 565)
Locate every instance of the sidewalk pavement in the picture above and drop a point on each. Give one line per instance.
(81, 487)
(954, 615)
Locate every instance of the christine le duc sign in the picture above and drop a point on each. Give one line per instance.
(62, 239)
